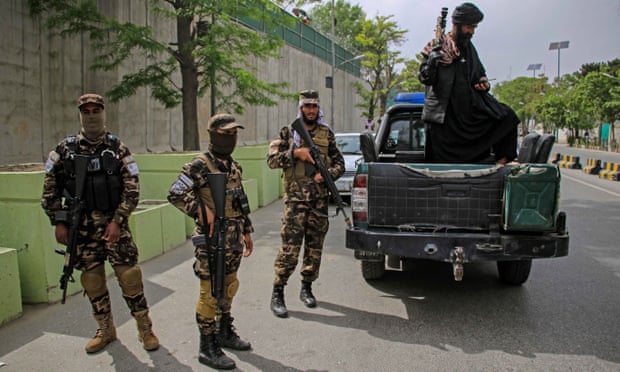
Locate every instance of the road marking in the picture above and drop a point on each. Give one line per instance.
(590, 185)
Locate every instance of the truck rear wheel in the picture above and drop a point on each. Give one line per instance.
(514, 272)
(372, 270)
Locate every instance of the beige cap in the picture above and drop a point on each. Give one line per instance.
(90, 98)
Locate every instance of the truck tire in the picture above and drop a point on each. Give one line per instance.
(514, 272)
(372, 270)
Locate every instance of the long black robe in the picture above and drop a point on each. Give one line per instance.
(476, 124)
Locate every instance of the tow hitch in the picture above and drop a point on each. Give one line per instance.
(457, 263)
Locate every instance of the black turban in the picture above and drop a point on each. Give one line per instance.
(467, 14)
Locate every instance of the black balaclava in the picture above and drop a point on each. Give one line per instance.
(222, 145)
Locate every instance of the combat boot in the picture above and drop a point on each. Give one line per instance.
(146, 336)
(306, 296)
(227, 337)
(277, 301)
(105, 334)
(211, 354)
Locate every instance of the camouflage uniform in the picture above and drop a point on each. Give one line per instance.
(191, 194)
(305, 213)
(92, 250)
(112, 165)
(182, 195)
(305, 216)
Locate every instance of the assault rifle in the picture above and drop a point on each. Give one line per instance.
(216, 249)
(300, 128)
(440, 28)
(74, 218)
(217, 182)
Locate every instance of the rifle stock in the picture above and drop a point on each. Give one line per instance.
(217, 183)
(300, 128)
(77, 206)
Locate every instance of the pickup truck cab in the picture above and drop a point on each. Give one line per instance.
(404, 207)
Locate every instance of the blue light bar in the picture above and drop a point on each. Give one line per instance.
(415, 97)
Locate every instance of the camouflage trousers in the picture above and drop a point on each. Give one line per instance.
(302, 222)
(92, 250)
(233, 245)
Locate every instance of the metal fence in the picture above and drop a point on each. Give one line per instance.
(307, 39)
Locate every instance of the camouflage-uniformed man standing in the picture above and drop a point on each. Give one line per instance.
(305, 200)
(190, 184)
(111, 194)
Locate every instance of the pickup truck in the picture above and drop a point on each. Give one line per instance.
(404, 207)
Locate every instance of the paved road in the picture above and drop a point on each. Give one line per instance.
(565, 318)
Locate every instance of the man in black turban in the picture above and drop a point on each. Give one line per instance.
(466, 123)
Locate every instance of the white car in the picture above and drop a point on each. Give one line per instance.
(349, 145)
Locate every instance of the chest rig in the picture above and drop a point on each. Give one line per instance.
(103, 185)
(304, 171)
(236, 204)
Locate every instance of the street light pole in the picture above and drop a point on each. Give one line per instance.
(558, 45)
(333, 63)
(533, 68)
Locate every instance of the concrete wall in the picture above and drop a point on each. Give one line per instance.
(42, 74)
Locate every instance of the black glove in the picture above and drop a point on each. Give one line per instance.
(428, 70)
(434, 58)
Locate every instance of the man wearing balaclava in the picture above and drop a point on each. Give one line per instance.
(192, 194)
(111, 192)
(466, 123)
(305, 199)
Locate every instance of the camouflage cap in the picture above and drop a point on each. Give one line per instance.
(90, 98)
(309, 97)
(223, 121)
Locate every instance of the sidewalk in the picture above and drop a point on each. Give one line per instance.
(52, 337)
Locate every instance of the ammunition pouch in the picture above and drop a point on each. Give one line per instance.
(103, 186)
(241, 202)
(62, 216)
(199, 240)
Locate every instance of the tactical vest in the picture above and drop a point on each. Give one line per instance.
(103, 185)
(303, 171)
(234, 188)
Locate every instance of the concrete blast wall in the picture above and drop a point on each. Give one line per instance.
(42, 74)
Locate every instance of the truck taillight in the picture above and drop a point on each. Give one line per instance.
(359, 198)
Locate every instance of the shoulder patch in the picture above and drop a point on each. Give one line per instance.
(52, 158)
(133, 168)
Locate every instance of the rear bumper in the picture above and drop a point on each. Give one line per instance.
(439, 246)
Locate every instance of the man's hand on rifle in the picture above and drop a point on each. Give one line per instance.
(249, 245)
(303, 154)
(62, 233)
(210, 219)
(112, 232)
(318, 178)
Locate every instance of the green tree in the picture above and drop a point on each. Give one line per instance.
(599, 95)
(348, 18)
(211, 52)
(409, 76)
(376, 41)
(522, 94)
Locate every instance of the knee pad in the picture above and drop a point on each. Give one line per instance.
(206, 306)
(130, 279)
(94, 282)
(231, 286)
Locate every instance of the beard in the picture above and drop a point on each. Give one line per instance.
(463, 39)
(308, 121)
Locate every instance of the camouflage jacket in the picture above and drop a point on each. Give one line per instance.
(55, 177)
(182, 193)
(304, 188)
